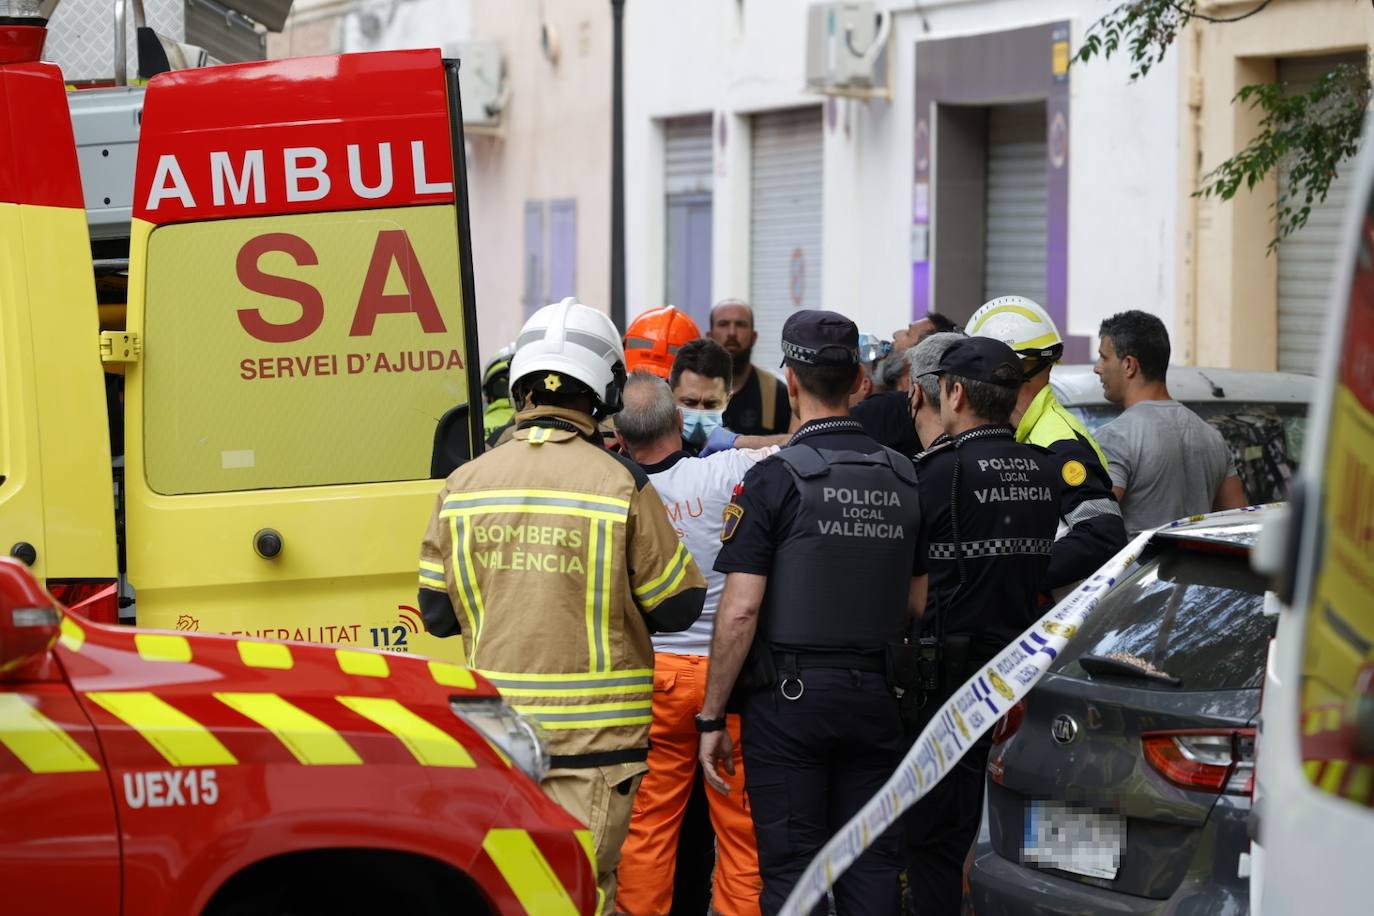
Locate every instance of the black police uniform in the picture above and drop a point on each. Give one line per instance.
(991, 507)
(833, 520)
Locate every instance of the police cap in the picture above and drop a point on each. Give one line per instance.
(813, 337)
(982, 359)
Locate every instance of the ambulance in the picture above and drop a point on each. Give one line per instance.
(165, 774)
(1313, 821)
(239, 427)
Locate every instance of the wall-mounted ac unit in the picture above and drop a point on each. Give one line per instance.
(843, 42)
(482, 82)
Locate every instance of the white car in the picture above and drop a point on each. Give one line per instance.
(1262, 415)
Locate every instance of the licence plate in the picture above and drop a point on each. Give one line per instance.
(1071, 839)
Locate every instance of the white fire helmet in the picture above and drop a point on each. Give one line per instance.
(1021, 324)
(570, 341)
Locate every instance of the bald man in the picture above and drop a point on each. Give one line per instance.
(758, 398)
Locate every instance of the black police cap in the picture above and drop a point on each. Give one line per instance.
(813, 337)
(982, 359)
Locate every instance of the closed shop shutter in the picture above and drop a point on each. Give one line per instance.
(688, 168)
(1017, 203)
(784, 224)
(1307, 258)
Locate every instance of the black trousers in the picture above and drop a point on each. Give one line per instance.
(939, 831)
(809, 765)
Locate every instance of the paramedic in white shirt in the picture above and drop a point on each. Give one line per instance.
(694, 491)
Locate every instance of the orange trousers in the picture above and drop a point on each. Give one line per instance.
(647, 858)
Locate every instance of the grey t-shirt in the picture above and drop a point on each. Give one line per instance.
(1169, 461)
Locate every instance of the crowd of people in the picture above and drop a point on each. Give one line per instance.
(686, 568)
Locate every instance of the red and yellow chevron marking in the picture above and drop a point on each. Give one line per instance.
(40, 743)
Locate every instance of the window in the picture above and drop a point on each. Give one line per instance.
(302, 350)
(1192, 614)
(550, 252)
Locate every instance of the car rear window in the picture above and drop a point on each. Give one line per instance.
(1189, 613)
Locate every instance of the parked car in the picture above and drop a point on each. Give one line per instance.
(1262, 415)
(184, 773)
(1122, 782)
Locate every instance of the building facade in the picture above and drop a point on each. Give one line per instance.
(987, 165)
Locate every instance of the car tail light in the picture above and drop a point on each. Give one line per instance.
(95, 599)
(1209, 761)
(1009, 724)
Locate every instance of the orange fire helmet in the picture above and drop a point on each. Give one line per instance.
(652, 340)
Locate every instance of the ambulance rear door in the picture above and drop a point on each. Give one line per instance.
(301, 292)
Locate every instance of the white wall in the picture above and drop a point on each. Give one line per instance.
(735, 58)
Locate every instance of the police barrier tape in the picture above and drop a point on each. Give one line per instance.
(972, 710)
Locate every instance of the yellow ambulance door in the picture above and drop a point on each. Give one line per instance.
(56, 486)
(302, 294)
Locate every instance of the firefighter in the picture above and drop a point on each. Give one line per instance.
(653, 339)
(991, 505)
(496, 392)
(554, 560)
(832, 514)
(1092, 530)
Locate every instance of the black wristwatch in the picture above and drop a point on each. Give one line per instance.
(708, 725)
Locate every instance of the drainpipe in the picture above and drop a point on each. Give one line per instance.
(618, 167)
(1194, 178)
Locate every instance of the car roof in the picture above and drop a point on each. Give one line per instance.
(1077, 386)
(1237, 529)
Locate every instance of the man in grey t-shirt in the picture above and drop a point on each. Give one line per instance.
(1165, 461)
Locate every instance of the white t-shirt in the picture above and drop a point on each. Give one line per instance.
(695, 491)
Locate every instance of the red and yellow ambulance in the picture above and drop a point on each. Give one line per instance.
(293, 356)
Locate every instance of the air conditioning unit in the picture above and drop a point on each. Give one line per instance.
(843, 41)
(482, 82)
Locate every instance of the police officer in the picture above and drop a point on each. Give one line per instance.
(991, 505)
(553, 560)
(1092, 530)
(806, 659)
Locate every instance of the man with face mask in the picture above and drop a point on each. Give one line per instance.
(694, 491)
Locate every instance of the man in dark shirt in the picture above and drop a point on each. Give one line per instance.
(886, 416)
(758, 398)
(991, 506)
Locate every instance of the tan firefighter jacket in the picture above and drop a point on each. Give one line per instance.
(554, 558)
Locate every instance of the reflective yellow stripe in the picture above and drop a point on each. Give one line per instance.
(183, 741)
(162, 647)
(448, 675)
(565, 677)
(465, 574)
(591, 715)
(654, 593)
(40, 743)
(1312, 768)
(1332, 778)
(73, 637)
(538, 436)
(574, 495)
(432, 567)
(621, 690)
(1311, 725)
(427, 743)
(555, 725)
(1360, 782)
(310, 740)
(266, 655)
(604, 596)
(432, 575)
(1333, 719)
(363, 664)
(596, 657)
(528, 873)
(522, 509)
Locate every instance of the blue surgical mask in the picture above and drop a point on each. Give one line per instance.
(697, 425)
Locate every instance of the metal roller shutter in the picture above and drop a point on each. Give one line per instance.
(688, 169)
(1307, 258)
(1017, 203)
(785, 223)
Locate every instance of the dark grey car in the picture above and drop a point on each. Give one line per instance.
(1122, 784)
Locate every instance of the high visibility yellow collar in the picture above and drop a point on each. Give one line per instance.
(1038, 405)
